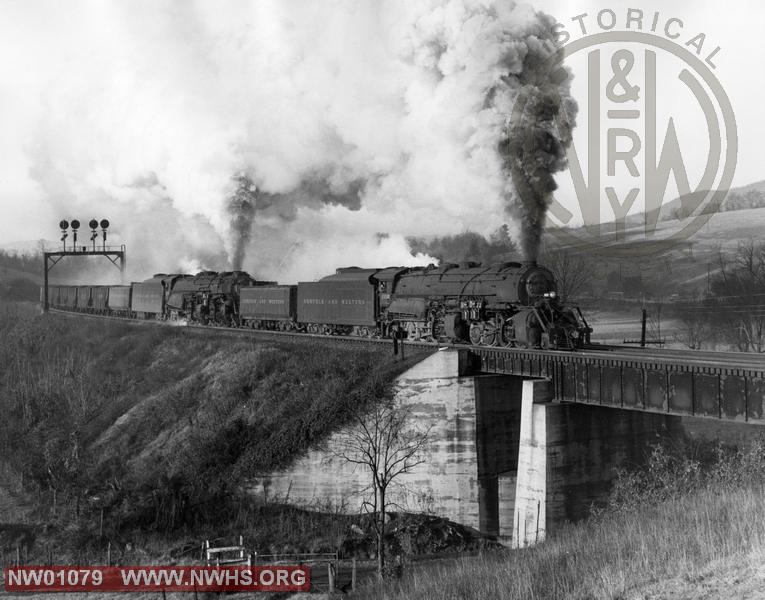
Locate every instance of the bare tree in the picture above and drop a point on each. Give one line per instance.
(573, 272)
(739, 292)
(385, 441)
(694, 331)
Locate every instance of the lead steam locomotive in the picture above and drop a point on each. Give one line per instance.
(507, 304)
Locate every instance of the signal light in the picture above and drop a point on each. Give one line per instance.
(75, 225)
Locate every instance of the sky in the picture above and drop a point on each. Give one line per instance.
(734, 27)
(360, 122)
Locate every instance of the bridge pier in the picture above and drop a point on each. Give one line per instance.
(542, 463)
(530, 506)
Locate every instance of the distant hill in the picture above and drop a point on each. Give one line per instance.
(29, 246)
(742, 198)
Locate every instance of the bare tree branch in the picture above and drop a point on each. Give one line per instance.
(384, 440)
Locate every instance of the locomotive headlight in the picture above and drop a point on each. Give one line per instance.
(550, 295)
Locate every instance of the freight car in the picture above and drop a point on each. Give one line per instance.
(149, 297)
(118, 301)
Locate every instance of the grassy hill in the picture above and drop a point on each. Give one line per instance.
(159, 427)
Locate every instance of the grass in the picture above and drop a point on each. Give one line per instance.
(159, 428)
(687, 511)
(606, 558)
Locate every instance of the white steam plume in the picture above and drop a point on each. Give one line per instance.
(351, 118)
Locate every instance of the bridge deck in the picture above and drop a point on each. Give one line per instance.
(706, 384)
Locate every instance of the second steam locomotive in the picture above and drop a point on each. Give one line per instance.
(507, 304)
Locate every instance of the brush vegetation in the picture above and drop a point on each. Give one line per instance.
(690, 511)
(159, 428)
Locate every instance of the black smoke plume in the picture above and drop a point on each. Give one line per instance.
(467, 247)
(537, 133)
(241, 206)
(533, 151)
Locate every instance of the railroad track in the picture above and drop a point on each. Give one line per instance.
(741, 360)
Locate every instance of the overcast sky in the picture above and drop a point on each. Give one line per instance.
(87, 88)
(735, 27)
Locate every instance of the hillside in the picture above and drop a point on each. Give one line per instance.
(159, 427)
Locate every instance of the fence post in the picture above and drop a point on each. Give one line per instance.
(331, 573)
(109, 553)
(353, 575)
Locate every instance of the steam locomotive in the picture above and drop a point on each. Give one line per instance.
(507, 304)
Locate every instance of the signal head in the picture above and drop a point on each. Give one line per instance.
(93, 224)
(64, 224)
(104, 224)
(75, 224)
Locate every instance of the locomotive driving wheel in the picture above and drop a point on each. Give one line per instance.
(490, 334)
(506, 332)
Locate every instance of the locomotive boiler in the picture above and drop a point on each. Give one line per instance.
(507, 304)
(208, 297)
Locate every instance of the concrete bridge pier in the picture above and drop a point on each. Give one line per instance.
(530, 507)
(541, 463)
